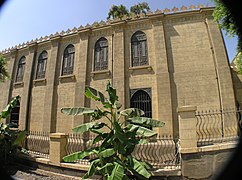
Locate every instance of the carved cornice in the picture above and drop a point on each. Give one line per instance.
(96, 26)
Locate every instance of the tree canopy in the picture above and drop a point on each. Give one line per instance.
(120, 11)
(117, 12)
(3, 71)
(227, 21)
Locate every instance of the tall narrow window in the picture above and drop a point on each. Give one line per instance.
(20, 70)
(14, 115)
(101, 55)
(141, 99)
(68, 60)
(41, 67)
(139, 48)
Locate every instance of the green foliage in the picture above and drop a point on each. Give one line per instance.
(140, 8)
(226, 21)
(117, 12)
(3, 71)
(9, 138)
(121, 11)
(238, 62)
(124, 130)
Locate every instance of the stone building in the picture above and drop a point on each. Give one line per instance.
(157, 62)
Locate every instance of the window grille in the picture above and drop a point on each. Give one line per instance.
(101, 55)
(68, 60)
(14, 115)
(41, 68)
(141, 99)
(20, 70)
(139, 48)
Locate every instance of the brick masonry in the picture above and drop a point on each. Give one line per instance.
(188, 65)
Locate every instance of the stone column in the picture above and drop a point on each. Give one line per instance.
(165, 98)
(27, 87)
(187, 128)
(51, 93)
(58, 143)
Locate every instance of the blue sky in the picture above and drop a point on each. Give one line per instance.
(24, 20)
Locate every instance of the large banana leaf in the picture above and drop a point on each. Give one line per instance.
(87, 126)
(107, 153)
(78, 111)
(117, 173)
(141, 130)
(146, 121)
(94, 94)
(20, 138)
(119, 133)
(92, 169)
(132, 112)
(112, 93)
(7, 110)
(138, 167)
(79, 155)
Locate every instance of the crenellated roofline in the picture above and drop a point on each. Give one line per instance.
(102, 24)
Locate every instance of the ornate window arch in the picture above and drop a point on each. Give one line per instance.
(141, 99)
(101, 54)
(139, 49)
(41, 67)
(20, 69)
(68, 60)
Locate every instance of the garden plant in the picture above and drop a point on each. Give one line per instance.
(115, 140)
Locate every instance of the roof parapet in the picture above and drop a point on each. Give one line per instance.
(102, 23)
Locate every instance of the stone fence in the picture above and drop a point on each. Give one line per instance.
(186, 155)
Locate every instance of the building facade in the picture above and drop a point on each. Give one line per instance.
(157, 62)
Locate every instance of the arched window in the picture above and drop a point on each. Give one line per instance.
(41, 67)
(20, 70)
(14, 115)
(68, 60)
(101, 55)
(141, 99)
(139, 48)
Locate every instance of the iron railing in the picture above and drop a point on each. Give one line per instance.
(37, 144)
(161, 152)
(216, 126)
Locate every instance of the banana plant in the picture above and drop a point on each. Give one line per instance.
(10, 138)
(125, 129)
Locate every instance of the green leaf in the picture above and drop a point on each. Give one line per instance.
(117, 173)
(92, 169)
(87, 126)
(132, 112)
(138, 167)
(108, 167)
(112, 93)
(79, 155)
(94, 94)
(107, 153)
(7, 110)
(145, 121)
(141, 130)
(119, 132)
(20, 138)
(77, 111)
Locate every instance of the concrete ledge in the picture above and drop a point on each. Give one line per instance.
(186, 108)
(58, 135)
(215, 147)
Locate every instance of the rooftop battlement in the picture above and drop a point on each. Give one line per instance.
(109, 22)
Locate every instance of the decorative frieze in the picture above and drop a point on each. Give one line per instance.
(101, 24)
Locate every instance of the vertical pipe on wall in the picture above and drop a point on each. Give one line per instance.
(217, 76)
